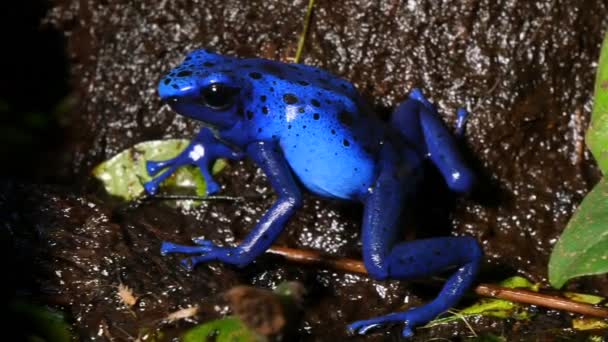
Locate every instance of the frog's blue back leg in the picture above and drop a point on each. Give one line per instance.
(384, 258)
(419, 123)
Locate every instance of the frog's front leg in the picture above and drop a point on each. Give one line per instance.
(385, 259)
(201, 151)
(270, 159)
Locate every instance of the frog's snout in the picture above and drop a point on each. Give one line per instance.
(173, 87)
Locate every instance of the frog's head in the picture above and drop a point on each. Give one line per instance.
(204, 88)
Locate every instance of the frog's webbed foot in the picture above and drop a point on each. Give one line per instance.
(155, 167)
(462, 116)
(202, 151)
(205, 251)
(410, 318)
(168, 167)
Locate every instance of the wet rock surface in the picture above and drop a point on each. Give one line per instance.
(524, 69)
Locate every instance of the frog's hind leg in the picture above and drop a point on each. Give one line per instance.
(386, 259)
(419, 123)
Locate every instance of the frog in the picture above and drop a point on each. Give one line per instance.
(308, 129)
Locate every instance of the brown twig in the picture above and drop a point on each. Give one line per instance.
(539, 299)
(486, 290)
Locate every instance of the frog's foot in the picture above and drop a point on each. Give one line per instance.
(207, 251)
(171, 165)
(411, 319)
(462, 116)
(212, 187)
(154, 167)
(416, 94)
(152, 186)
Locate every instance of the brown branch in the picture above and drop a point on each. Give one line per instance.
(539, 299)
(486, 290)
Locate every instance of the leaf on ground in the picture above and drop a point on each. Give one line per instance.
(45, 324)
(228, 329)
(499, 308)
(584, 298)
(583, 246)
(589, 323)
(124, 174)
(597, 134)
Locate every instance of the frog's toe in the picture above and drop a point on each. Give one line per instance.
(362, 327)
(214, 253)
(169, 247)
(191, 262)
(462, 116)
(203, 242)
(154, 167)
(212, 188)
(151, 187)
(407, 331)
(416, 94)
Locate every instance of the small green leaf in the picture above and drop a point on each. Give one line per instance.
(589, 323)
(597, 134)
(493, 307)
(45, 324)
(124, 174)
(519, 283)
(584, 298)
(228, 329)
(583, 247)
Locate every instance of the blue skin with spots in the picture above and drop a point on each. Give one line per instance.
(306, 127)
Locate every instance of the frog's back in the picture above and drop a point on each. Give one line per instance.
(325, 132)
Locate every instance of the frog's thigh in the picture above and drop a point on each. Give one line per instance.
(381, 213)
(444, 152)
(384, 258)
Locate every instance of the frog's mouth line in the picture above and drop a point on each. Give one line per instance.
(175, 102)
(193, 108)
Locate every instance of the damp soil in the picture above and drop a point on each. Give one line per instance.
(524, 69)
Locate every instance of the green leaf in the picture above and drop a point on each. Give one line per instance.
(597, 134)
(584, 298)
(493, 307)
(124, 174)
(583, 247)
(589, 323)
(45, 324)
(228, 329)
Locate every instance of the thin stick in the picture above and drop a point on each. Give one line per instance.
(486, 290)
(304, 33)
(196, 198)
(539, 299)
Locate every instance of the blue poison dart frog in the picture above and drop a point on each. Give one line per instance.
(305, 127)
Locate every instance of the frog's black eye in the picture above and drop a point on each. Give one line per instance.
(218, 96)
